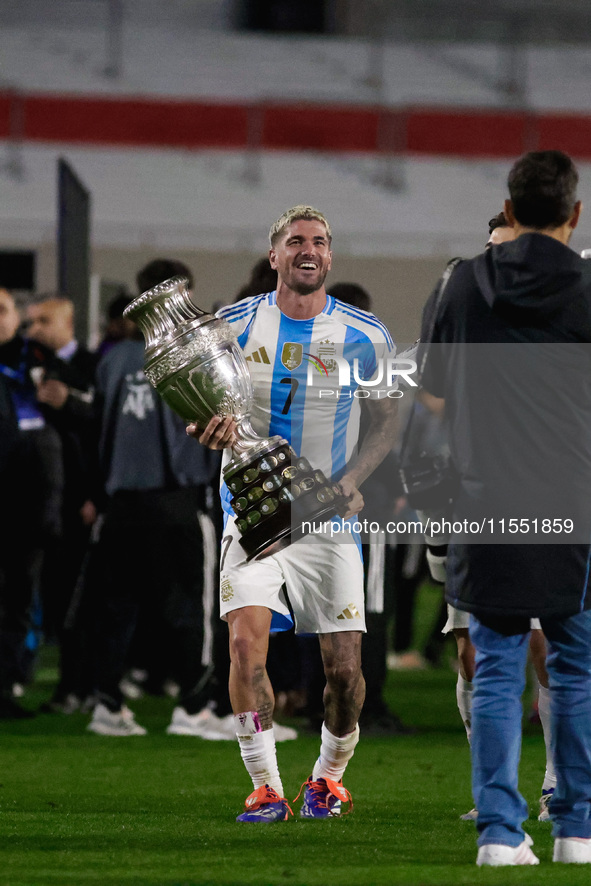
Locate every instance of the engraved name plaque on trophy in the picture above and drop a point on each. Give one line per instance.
(193, 360)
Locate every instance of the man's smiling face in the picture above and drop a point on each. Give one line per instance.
(302, 256)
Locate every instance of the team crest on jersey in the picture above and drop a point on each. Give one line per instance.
(292, 354)
(227, 591)
(326, 354)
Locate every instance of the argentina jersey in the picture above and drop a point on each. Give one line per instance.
(310, 376)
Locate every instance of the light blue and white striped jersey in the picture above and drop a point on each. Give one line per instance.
(303, 374)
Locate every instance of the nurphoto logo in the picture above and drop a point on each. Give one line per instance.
(389, 372)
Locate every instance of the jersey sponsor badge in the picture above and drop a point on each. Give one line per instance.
(291, 355)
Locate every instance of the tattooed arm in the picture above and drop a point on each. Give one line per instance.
(376, 444)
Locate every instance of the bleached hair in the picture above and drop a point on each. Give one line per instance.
(308, 213)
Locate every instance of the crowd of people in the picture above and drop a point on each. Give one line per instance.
(113, 523)
(113, 529)
(91, 464)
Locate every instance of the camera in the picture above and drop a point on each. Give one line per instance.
(429, 481)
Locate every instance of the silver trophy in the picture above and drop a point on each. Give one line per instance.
(195, 363)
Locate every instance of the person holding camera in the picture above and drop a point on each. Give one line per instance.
(458, 620)
(508, 354)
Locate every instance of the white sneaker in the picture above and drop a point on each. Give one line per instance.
(171, 688)
(545, 804)
(105, 722)
(499, 854)
(470, 816)
(220, 728)
(130, 689)
(68, 705)
(197, 724)
(572, 850)
(224, 729)
(284, 733)
(406, 661)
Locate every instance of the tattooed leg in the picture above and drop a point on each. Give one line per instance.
(345, 686)
(250, 687)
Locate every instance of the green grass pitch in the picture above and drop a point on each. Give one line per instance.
(158, 810)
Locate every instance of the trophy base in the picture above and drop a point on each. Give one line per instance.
(269, 539)
(275, 493)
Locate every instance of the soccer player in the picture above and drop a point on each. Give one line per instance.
(323, 575)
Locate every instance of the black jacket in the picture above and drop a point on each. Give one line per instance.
(31, 461)
(143, 444)
(511, 355)
(76, 425)
(17, 357)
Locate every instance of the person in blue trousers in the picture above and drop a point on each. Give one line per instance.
(507, 346)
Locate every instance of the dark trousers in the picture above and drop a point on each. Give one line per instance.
(30, 498)
(63, 614)
(19, 572)
(156, 559)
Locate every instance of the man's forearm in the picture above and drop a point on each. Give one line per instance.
(377, 443)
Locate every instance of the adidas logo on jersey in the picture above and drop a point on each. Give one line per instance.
(258, 356)
(350, 612)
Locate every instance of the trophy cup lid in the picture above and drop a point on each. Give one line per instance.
(166, 311)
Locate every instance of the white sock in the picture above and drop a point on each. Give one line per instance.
(335, 753)
(437, 566)
(464, 699)
(257, 749)
(544, 712)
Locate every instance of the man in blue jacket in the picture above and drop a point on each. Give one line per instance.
(510, 354)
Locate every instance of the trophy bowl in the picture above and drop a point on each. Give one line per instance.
(196, 365)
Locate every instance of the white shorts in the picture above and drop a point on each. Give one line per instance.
(318, 578)
(457, 619)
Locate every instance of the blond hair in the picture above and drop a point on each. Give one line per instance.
(307, 213)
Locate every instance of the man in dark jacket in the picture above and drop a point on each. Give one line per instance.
(31, 484)
(511, 356)
(66, 391)
(155, 558)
